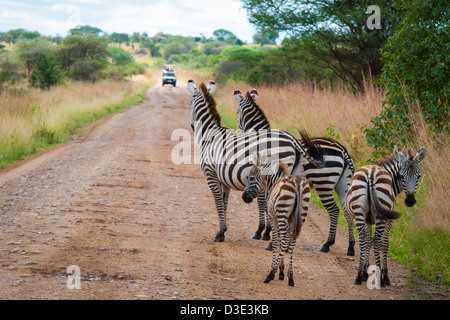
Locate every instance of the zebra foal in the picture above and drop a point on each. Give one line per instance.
(288, 203)
(371, 200)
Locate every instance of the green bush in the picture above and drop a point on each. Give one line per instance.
(47, 72)
(415, 75)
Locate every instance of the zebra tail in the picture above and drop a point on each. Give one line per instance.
(314, 152)
(380, 211)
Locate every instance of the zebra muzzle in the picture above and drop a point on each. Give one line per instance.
(410, 200)
(247, 197)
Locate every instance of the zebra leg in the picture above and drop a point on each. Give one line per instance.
(284, 236)
(342, 187)
(385, 247)
(217, 189)
(266, 235)
(362, 231)
(379, 230)
(262, 208)
(291, 251)
(275, 240)
(333, 210)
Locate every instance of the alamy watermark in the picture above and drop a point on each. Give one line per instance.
(374, 21)
(374, 279)
(74, 278)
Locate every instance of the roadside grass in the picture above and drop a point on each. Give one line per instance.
(32, 119)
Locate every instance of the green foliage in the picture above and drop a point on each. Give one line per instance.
(119, 38)
(415, 75)
(47, 72)
(120, 56)
(85, 31)
(333, 34)
(239, 63)
(176, 45)
(83, 56)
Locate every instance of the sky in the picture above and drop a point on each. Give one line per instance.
(177, 17)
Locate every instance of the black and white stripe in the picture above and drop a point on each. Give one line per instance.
(335, 175)
(287, 203)
(225, 154)
(371, 200)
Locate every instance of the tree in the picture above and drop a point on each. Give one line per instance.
(119, 38)
(416, 74)
(176, 45)
(334, 31)
(152, 47)
(47, 72)
(265, 37)
(120, 56)
(227, 37)
(27, 50)
(82, 56)
(85, 30)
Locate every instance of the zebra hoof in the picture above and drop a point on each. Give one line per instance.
(358, 280)
(325, 248)
(351, 251)
(291, 281)
(257, 235)
(266, 236)
(269, 247)
(269, 277)
(220, 237)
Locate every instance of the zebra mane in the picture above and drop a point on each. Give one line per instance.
(389, 159)
(256, 107)
(212, 104)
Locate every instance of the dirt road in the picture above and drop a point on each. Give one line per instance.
(137, 226)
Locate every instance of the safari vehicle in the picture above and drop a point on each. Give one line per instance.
(168, 76)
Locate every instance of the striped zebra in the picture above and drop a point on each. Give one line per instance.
(224, 153)
(287, 203)
(335, 175)
(371, 200)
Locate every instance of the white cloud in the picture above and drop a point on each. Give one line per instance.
(184, 17)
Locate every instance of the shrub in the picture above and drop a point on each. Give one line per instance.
(415, 75)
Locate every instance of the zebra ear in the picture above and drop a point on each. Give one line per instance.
(254, 95)
(420, 155)
(238, 96)
(211, 86)
(191, 86)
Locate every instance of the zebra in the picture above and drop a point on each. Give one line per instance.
(371, 200)
(287, 203)
(335, 175)
(224, 153)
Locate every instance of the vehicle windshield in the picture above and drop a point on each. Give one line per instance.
(169, 74)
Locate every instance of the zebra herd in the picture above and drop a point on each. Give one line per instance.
(279, 170)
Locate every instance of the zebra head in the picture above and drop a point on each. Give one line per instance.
(198, 97)
(245, 103)
(410, 174)
(264, 171)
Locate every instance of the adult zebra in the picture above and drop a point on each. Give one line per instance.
(335, 174)
(371, 200)
(225, 154)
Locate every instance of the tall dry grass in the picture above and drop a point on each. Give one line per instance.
(31, 118)
(336, 113)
